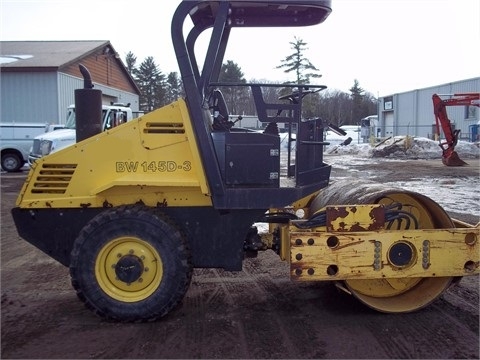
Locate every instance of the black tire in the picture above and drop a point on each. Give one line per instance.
(11, 162)
(131, 264)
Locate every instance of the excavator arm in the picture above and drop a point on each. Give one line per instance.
(449, 155)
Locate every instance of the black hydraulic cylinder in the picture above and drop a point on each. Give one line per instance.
(88, 109)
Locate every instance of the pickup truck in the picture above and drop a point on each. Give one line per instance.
(16, 141)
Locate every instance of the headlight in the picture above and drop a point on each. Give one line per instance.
(45, 147)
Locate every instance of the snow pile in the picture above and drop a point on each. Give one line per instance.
(398, 147)
(404, 147)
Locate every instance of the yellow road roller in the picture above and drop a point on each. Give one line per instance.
(134, 209)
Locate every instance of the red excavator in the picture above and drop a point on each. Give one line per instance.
(450, 156)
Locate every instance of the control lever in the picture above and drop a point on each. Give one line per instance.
(337, 130)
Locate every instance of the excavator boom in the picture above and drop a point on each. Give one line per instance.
(449, 155)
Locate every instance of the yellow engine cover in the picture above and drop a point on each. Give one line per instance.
(153, 159)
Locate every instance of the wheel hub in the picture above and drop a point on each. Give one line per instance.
(129, 268)
(401, 254)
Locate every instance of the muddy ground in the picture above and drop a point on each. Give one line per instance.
(255, 313)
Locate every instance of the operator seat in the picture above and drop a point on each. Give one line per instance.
(220, 111)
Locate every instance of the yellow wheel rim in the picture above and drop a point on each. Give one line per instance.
(128, 269)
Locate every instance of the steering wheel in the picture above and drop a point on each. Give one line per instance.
(294, 96)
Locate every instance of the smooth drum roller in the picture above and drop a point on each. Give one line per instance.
(392, 295)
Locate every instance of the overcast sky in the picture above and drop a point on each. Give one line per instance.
(389, 46)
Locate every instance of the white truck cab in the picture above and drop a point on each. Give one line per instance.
(44, 144)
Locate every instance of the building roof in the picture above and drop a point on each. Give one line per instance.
(40, 56)
(46, 54)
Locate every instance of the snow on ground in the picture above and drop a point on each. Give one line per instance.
(457, 194)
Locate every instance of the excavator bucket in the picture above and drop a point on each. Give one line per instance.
(449, 156)
(453, 160)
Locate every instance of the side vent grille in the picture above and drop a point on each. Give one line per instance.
(164, 128)
(53, 178)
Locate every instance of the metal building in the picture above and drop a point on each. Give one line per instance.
(411, 112)
(39, 78)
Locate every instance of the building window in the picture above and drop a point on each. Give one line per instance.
(388, 103)
(471, 112)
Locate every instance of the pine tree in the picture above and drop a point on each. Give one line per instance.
(356, 93)
(131, 60)
(304, 70)
(298, 63)
(174, 88)
(151, 82)
(235, 96)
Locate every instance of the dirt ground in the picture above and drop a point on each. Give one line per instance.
(255, 313)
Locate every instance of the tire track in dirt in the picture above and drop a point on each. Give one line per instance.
(384, 335)
(238, 324)
(431, 333)
(204, 326)
(284, 339)
(314, 324)
(286, 314)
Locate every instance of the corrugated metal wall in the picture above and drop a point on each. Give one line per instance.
(413, 110)
(43, 97)
(120, 96)
(67, 85)
(66, 93)
(29, 97)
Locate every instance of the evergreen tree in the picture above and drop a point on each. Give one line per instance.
(356, 93)
(362, 104)
(151, 82)
(131, 60)
(174, 87)
(235, 96)
(304, 70)
(297, 62)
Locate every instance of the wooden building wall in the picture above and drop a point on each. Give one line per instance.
(104, 69)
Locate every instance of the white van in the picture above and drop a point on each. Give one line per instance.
(16, 140)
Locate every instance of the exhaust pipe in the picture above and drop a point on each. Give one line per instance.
(88, 108)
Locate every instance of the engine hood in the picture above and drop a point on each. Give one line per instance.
(58, 135)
